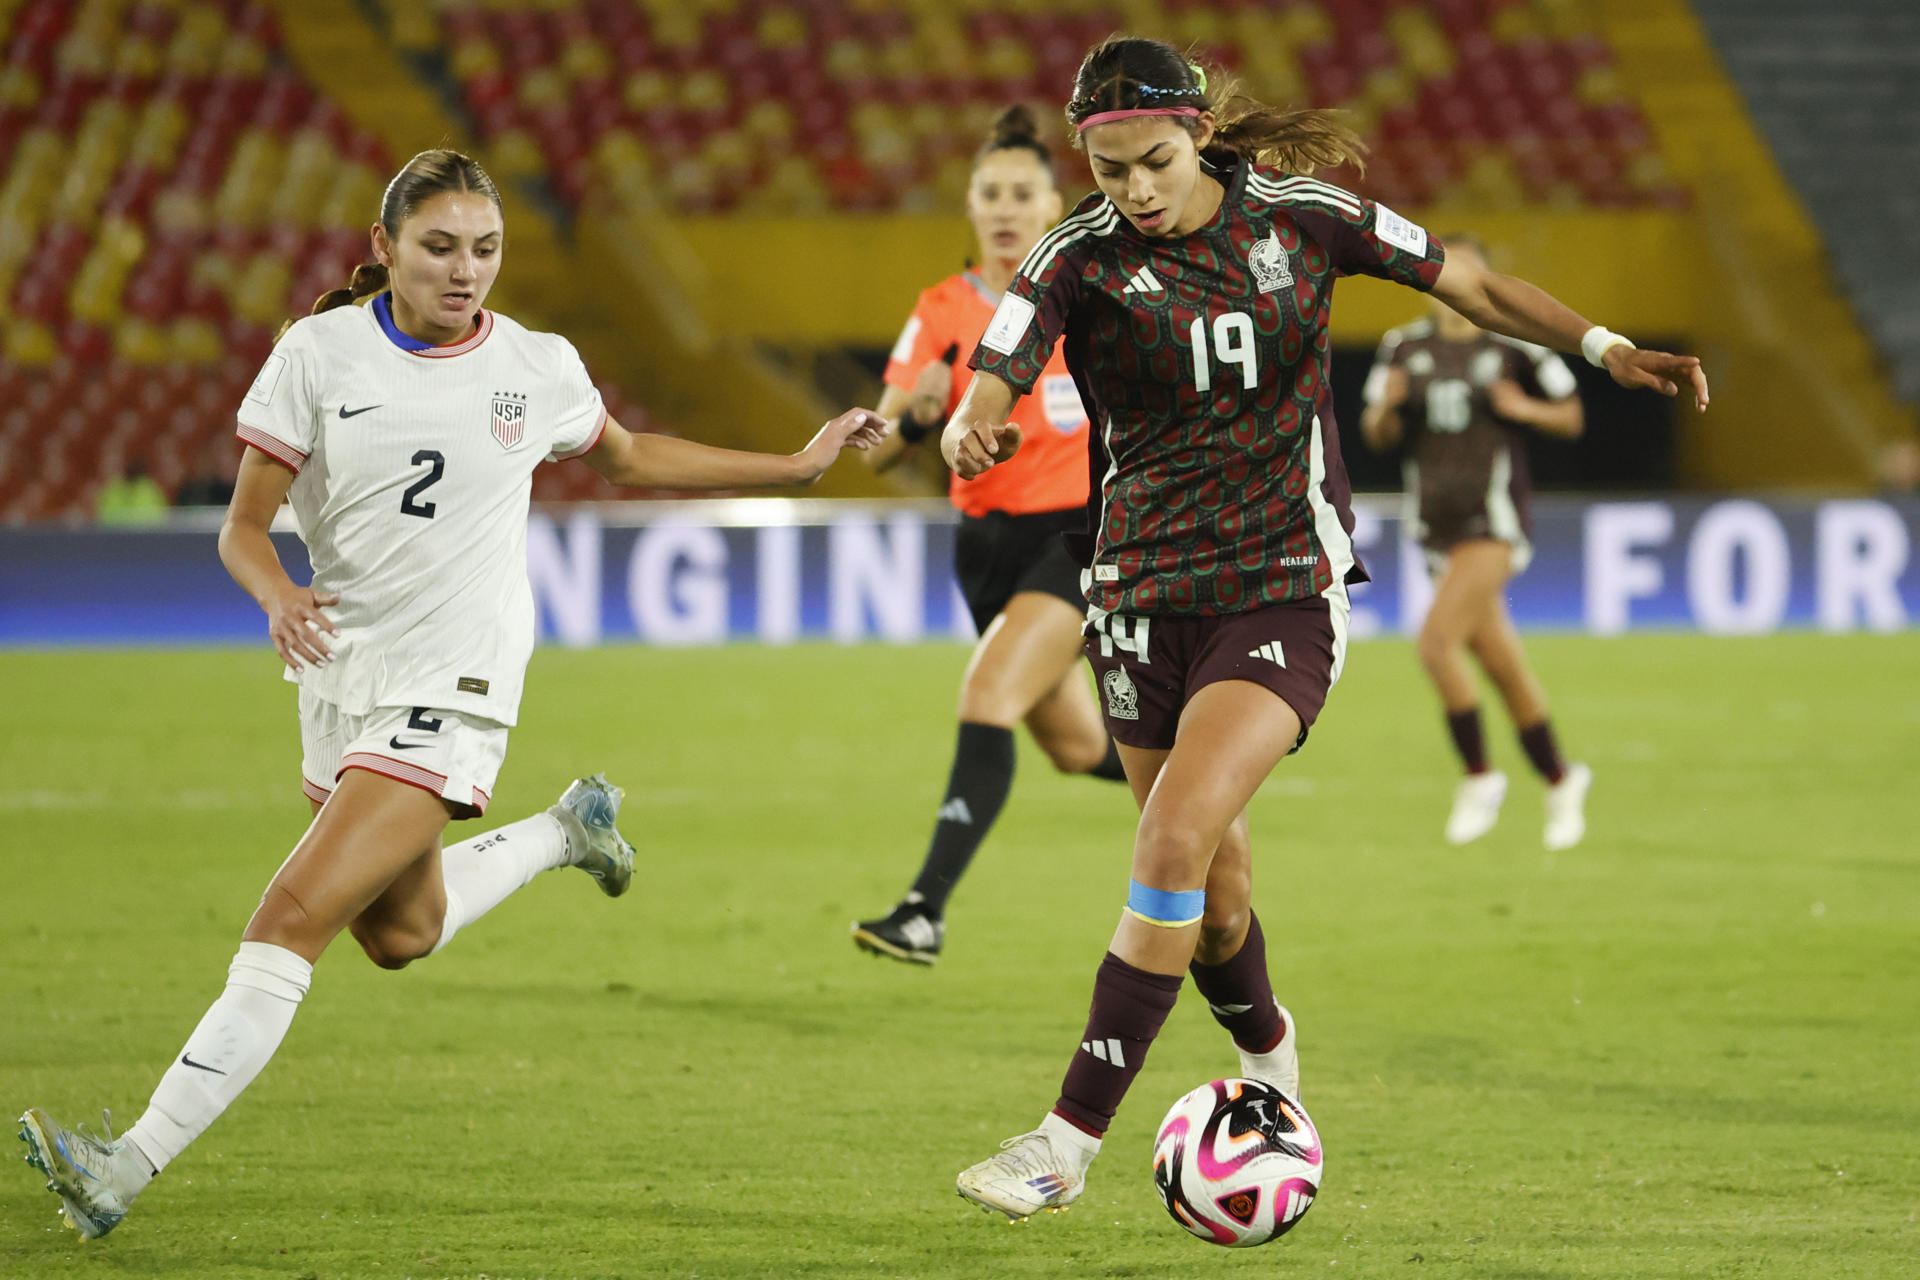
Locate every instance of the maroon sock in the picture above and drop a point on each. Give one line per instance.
(1544, 752)
(1467, 738)
(1241, 995)
(1129, 1005)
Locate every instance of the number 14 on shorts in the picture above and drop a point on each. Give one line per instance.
(1125, 635)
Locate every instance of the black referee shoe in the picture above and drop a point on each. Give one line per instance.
(907, 933)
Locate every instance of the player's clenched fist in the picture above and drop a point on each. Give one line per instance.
(969, 451)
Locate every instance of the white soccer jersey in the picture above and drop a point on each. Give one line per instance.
(413, 471)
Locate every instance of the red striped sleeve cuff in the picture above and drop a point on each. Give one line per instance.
(593, 440)
(279, 450)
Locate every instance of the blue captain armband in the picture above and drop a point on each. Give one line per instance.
(1165, 908)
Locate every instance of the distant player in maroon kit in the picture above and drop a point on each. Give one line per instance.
(1192, 295)
(1462, 399)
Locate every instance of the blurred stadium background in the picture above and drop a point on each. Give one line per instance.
(730, 205)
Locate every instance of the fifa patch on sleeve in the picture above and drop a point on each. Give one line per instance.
(1010, 321)
(261, 392)
(1398, 232)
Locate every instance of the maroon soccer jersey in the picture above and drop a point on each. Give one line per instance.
(1466, 465)
(1217, 480)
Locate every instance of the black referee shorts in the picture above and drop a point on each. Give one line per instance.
(997, 556)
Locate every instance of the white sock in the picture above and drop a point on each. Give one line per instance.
(1071, 1139)
(480, 873)
(226, 1051)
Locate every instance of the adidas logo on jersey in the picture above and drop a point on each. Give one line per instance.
(1271, 651)
(1144, 281)
(1107, 1050)
(955, 810)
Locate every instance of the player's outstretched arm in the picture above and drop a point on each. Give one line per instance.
(294, 620)
(1507, 304)
(979, 435)
(1564, 417)
(664, 462)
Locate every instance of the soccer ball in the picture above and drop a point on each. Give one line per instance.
(1237, 1162)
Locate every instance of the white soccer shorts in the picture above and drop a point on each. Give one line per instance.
(445, 753)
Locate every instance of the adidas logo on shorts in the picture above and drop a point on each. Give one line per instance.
(1271, 651)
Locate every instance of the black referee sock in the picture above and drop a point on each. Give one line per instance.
(1109, 767)
(977, 788)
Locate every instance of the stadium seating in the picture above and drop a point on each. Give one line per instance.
(171, 190)
(1842, 125)
(171, 187)
(769, 106)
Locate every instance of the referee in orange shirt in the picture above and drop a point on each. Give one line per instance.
(1020, 583)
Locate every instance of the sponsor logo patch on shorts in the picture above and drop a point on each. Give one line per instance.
(474, 684)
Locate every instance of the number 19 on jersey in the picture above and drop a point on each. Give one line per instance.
(1232, 344)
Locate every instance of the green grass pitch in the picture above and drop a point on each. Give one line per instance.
(1688, 1048)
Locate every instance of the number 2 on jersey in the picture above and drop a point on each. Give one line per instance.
(1232, 343)
(408, 504)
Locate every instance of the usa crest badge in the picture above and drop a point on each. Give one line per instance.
(509, 418)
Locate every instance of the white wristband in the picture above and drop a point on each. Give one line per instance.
(1597, 341)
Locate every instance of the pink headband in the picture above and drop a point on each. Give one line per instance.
(1107, 117)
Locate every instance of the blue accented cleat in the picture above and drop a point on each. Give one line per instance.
(95, 1178)
(587, 810)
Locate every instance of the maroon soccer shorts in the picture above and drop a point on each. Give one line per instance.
(1149, 668)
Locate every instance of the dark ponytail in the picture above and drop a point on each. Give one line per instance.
(426, 175)
(1016, 129)
(369, 278)
(1128, 73)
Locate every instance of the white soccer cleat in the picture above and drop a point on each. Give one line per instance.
(95, 1178)
(1279, 1066)
(1476, 807)
(1567, 808)
(586, 811)
(1031, 1173)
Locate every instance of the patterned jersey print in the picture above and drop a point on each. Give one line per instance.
(1217, 480)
